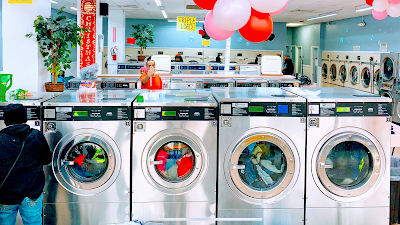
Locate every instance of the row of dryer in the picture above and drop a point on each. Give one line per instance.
(280, 155)
(188, 83)
(357, 70)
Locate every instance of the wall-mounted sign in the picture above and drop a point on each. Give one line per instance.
(383, 47)
(356, 48)
(19, 1)
(88, 47)
(184, 23)
(205, 43)
(130, 41)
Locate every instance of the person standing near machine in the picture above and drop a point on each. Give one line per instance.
(23, 152)
(178, 58)
(151, 80)
(288, 68)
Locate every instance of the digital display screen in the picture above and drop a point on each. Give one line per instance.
(343, 109)
(197, 68)
(221, 67)
(184, 67)
(172, 67)
(232, 68)
(121, 67)
(256, 109)
(168, 113)
(214, 68)
(80, 113)
(283, 108)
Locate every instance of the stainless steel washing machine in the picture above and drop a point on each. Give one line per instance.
(221, 82)
(184, 83)
(174, 156)
(33, 106)
(89, 180)
(76, 82)
(261, 155)
(119, 83)
(388, 81)
(348, 156)
(251, 82)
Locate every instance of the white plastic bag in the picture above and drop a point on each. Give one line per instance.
(89, 72)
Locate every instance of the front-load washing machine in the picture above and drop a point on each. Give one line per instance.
(89, 180)
(343, 77)
(348, 156)
(366, 79)
(354, 71)
(325, 69)
(186, 83)
(377, 81)
(33, 105)
(174, 156)
(224, 82)
(261, 155)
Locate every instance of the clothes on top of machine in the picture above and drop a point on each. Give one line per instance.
(261, 161)
(27, 178)
(288, 67)
(303, 79)
(154, 83)
(174, 161)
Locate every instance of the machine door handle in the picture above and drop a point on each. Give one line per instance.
(158, 162)
(238, 167)
(323, 165)
(67, 163)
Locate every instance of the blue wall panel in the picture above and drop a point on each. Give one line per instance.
(307, 36)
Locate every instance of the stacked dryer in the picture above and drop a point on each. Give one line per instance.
(348, 156)
(354, 71)
(325, 69)
(334, 70)
(389, 86)
(261, 155)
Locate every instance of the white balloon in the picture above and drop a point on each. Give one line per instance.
(380, 5)
(232, 14)
(394, 10)
(268, 6)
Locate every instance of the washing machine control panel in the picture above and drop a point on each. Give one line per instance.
(350, 109)
(82, 113)
(281, 109)
(174, 113)
(33, 112)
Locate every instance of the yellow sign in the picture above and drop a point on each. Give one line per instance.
(19, 1)
(206, 43)
(184, 23)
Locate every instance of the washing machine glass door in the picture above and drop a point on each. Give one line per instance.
(343, 74)
(325, 71)
(86, 164)
(262, 166)
(365, 77)
(354, 75)
(348, 165)
(333, 72)
(377, 80)
(175, 161)
(388, 67)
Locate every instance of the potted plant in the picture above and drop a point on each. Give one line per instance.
(143, 34)
(54, 36)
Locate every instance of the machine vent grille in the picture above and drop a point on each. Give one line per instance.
(193, 7)
(130, 6)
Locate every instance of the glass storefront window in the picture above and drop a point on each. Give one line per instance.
(175, 161)
(265, 166)
(90, 162)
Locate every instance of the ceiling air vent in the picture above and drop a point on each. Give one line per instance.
(193, 7)
(301, 11)
(130, 6)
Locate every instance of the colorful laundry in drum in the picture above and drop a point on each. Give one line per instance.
(265, 165)
(175, 161)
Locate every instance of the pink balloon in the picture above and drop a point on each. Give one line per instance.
(379, 15)
(213, 30)
(283, 9)
(394, 1)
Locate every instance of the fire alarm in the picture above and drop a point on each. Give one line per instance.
(361, 24)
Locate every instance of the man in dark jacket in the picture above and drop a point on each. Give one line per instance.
(22, 189)
(288, 67)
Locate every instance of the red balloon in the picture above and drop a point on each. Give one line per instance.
(205, 4)
(369, 2)
(258, 28)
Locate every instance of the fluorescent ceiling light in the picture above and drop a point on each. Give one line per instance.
(164, 12)
(364, 8)
(73, 8)
(294, 24)
(322, 16)
(158, 2)
(53, 1)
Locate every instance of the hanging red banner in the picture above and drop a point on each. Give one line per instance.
(88, 19)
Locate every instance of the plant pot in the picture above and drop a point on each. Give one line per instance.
(50, 87)
(141, 58)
